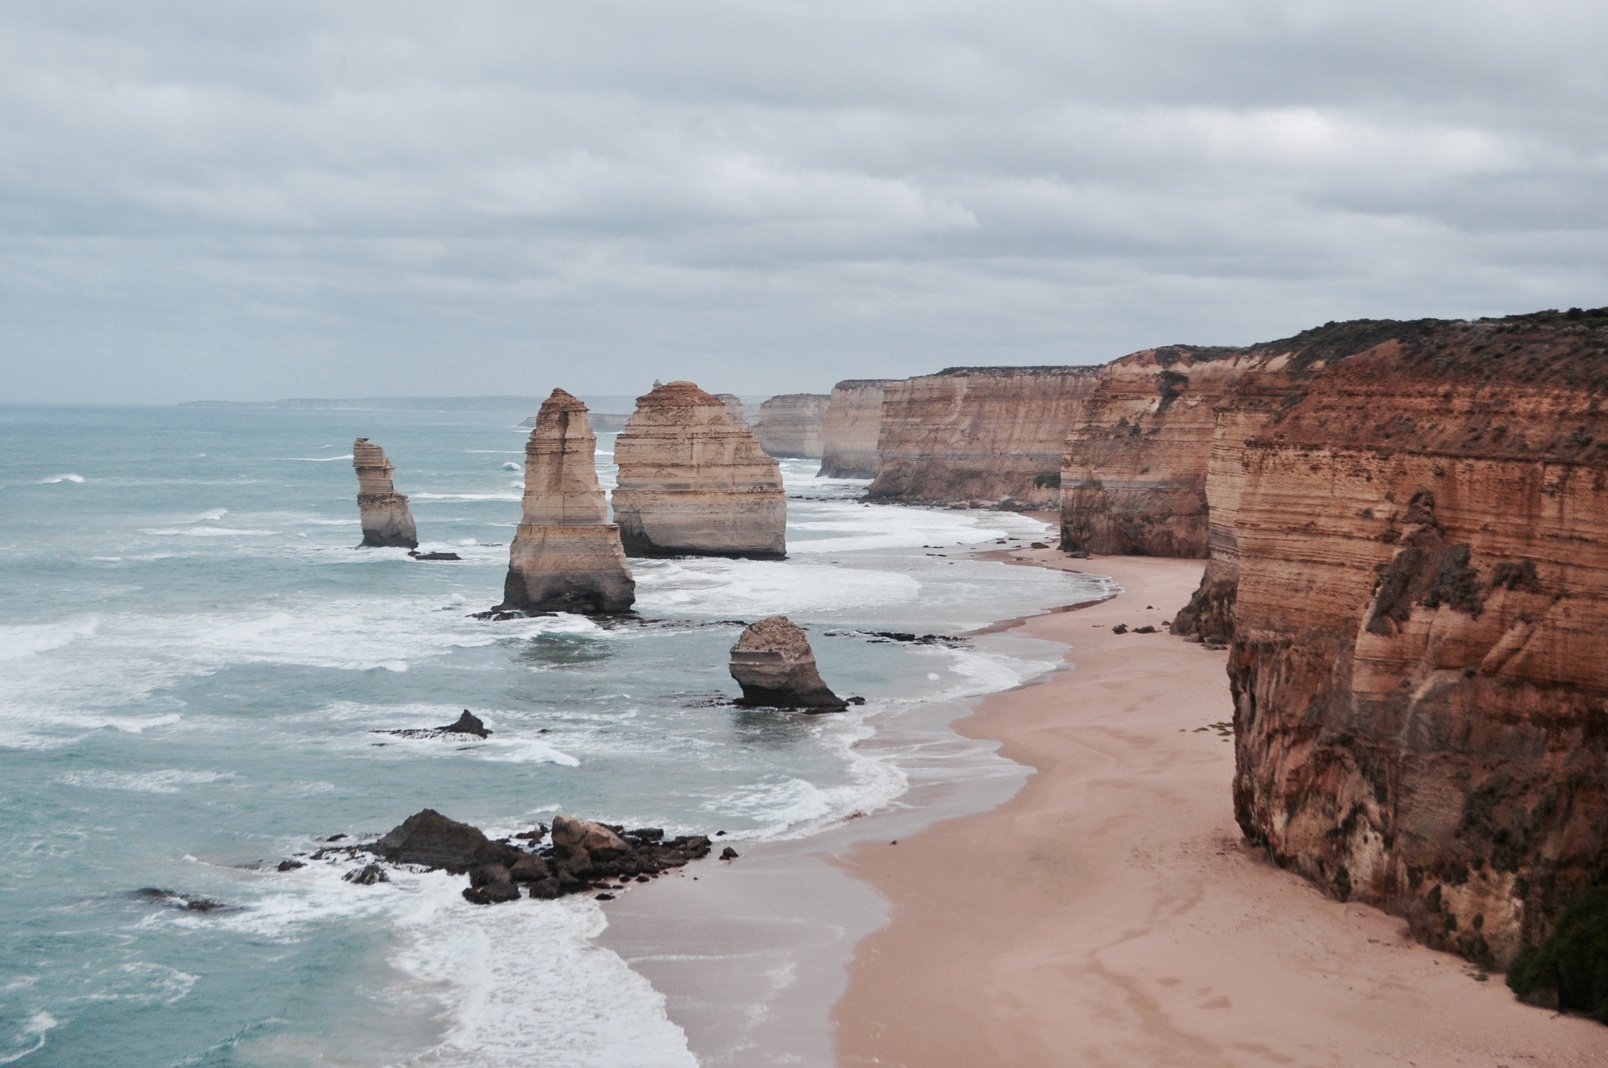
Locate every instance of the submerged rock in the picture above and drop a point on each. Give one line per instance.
(386, 518)
(775, 666)
(468, 723)
(567, 556)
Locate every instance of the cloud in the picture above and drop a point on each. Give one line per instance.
(205, 199)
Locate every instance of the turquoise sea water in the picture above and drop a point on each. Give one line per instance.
(194, 660)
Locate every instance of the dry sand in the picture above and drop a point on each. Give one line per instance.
(1110, 914)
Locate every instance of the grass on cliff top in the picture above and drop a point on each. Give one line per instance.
(1572, 965)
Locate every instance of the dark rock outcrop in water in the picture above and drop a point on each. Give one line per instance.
(1422, 592)
(387, 521)
(467, 723)
(775, 666)
(581, 856)
(566, 555)
(694, 483)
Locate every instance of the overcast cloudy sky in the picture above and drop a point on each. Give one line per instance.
(306, 198)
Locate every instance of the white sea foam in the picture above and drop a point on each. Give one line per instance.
(143, 983)
(522, 978)
(211, 515)
(510, 466)
(464, 496)
(315, 459)
(21, 640)
(31, 1037)
(754, 587)
(56, 480)
(208, 532)
(166, 781)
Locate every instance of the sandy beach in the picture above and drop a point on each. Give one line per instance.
(1110, 913)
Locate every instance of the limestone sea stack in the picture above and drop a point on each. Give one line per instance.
(734, 406)
(386, 518)
(774, 664)
(791, 425)
(849, 428)
(566, 556)
(694, 483)
(1417, 661)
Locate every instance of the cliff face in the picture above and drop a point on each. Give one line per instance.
(1421, 701)
(386, 518)
(850, 427)
(1133, 480)
(692, 482)
(979, 433)
(791, 424)
(734, 406)
(566, 555)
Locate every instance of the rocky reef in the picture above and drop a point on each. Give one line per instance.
(1421, 700)
(984, 434)
(566, 555)
(850, 427)
(386, 518)
(791, 424)
(774, 664)
(694, 483)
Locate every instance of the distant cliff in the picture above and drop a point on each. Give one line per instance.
(1421, 695)
(987, 434)
(791, 424)
(850, 427)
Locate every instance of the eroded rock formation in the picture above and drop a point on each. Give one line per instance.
(734, 406)
(774, 664)
(850, 426)
(1133, 480)
(1421, 696)
(986, 434)
(790, 424)
(386, 519)
(694, 483)
(566, 555)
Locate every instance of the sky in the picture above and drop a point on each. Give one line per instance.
(203, 199)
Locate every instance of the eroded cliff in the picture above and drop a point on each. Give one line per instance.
(986, 434)
(791, 424)
(693, 482)
(1421, 699)
(384, 513)
(566, 555)
(850, 426)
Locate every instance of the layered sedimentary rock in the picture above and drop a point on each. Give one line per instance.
(386, 518)
(734, 406)
(986, 434)
(566, 555)
(692, 482)
(1421, 696)
(791, 424)
(1133, 480)
(850, 427)
(774, 664)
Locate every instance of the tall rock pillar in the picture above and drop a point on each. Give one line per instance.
(385, 515)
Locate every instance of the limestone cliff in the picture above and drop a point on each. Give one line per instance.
(734, 406)
(850, 426)
(692, 482)
(791, 424)
(1133, 480)
(386, 518)
(566, 555)
(1421, 699)
(988, 434)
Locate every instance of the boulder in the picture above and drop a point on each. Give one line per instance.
(774, 664)
(601, 843)
(432, 840)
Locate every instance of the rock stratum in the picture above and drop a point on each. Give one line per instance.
(566, 555)
(850, 427)
(694, 483)
(1420, 535)
(792, 424)
(386, 518)
(983, 434)
(775, 666)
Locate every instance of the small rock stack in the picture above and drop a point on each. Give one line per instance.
(385, 515)
(774, 664)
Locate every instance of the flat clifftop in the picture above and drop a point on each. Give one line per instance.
(1420, 534)
(1012, 372)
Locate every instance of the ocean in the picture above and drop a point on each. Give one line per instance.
(196, 660)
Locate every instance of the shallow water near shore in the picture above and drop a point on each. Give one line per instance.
(195, 663)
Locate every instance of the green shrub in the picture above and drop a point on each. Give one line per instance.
(1573, 963)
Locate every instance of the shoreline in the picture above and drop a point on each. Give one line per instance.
(1110, 913)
